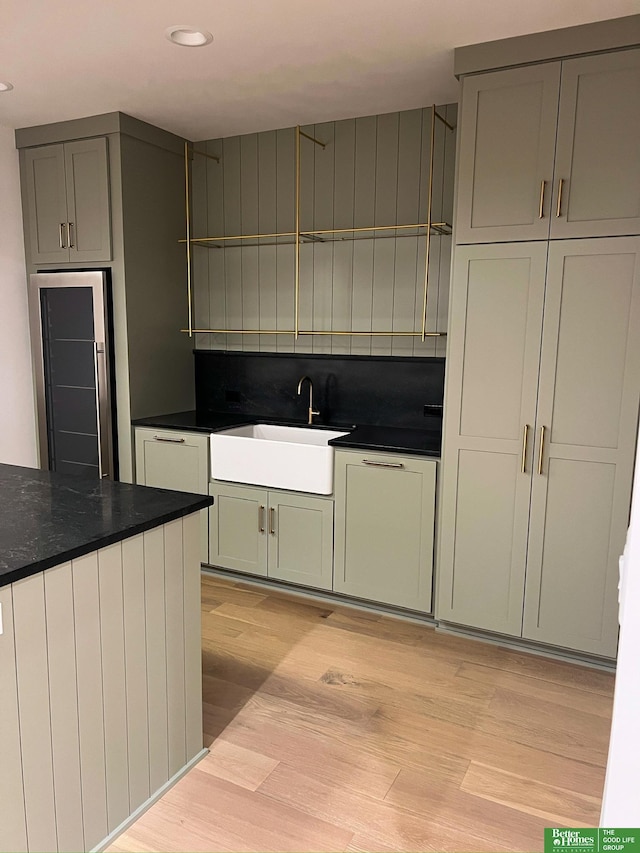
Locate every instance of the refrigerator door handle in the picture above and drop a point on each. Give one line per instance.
(101, 402)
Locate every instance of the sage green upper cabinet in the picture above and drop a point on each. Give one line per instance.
(385, 508)
(588, 408)
(597, 148)
(167, 459)
(550, 150)
(67, 194)
(274, 533)
(494, 350)
(505, 158)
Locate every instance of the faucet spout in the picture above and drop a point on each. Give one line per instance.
(311, 410)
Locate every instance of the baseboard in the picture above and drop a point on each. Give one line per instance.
(526, 646)
(148, 803)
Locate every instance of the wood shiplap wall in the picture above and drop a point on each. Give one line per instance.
(373, 171)
(101, 690)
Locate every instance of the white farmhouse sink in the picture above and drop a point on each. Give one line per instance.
(282, 457)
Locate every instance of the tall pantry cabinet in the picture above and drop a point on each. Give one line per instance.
(543, 383)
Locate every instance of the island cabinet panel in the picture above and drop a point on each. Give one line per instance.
(192, 635)
(174, 615)
(101, 693)
(114, 683)
(86, 599)
(13, 829)
(61, 652)
(136, 669)
(156, 658)
(30, 633)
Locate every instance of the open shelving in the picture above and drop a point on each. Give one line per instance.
(299, 237)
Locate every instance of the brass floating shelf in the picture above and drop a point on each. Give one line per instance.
(324, 235)
(324, 332)
(299, 236)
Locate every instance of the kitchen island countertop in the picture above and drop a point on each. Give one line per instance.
(49, 518)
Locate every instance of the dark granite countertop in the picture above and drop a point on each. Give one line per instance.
(422, 442)
(194, 421)
(49, 518)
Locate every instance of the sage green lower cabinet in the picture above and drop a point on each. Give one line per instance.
(277, 534)
(237, 528)
(385, 515)
(301, 539)
(168, 459)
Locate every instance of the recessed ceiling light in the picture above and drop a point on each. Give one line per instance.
(188, 36)
(6, 87)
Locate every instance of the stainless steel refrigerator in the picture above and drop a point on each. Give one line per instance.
(70, 318)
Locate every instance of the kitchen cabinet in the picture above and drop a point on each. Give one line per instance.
(541, 418)
(120, 181)
(385, 511)
(67, 197)
(168, 459)
(550, 150)
(283, 535)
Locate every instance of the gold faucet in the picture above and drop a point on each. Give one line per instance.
(312, 411)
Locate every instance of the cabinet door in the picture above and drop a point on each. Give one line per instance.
(237, 528)
(588, 406)
(301, 539)
(87, 183)
(167, 459)
(506, 151)
(385, 507)
(597, 148)
(490, 412)
(46, 204)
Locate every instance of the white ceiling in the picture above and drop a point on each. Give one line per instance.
(273, 63)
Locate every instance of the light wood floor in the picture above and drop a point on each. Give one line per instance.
(333, 729)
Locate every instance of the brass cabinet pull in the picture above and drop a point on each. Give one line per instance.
(70, 226)
(525, 439)
(61, 236)
(541, 456)
(543, 185)
(171, 440)
(261, 518)
(559, 206)
(375, 464)
(272, 521)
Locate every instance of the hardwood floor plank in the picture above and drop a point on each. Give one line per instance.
(537, 722)
(528, 685)
(244, 767)
(382, 823)
(553, 804)
(317, 755)
(496, 823)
